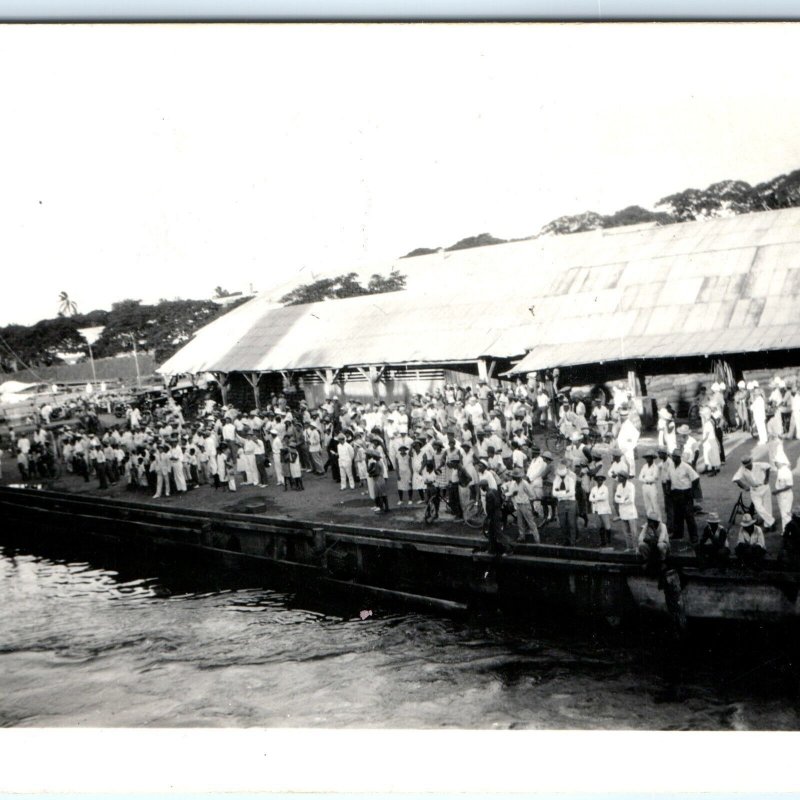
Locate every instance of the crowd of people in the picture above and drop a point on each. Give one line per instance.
(463, 445)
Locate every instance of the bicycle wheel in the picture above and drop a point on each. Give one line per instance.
(474, 515)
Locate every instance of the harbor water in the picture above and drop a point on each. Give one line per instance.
(93, 642)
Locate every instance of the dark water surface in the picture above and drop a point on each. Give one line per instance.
(88, 643)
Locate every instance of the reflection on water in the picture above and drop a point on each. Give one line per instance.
(90, 643)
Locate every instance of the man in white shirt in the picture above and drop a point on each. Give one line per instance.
(475, 412)
(230, 437)
(654, 541)
(750, 546)
(346, 454)
(314, 443)
(521, 495)
(681, 480)
(753, 477)
(566, 506)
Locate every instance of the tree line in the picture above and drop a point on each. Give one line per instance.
(159, 328)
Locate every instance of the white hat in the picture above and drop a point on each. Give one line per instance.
(742, 385)
(715, 387)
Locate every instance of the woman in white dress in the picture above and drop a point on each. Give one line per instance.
(711, 457)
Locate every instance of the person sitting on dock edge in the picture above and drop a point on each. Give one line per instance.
(750, 547)
(712, 549)
(653, 543)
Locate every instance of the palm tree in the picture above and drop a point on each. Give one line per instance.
(67, 307)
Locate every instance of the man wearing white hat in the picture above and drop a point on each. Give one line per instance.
(649, 476)
(691, 447)
(346, 455)
(625, 498)
(750, 546)
(713, 548)
(666, 430)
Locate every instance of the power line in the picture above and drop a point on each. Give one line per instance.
(20, 359)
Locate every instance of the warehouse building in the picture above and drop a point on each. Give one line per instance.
(641, 302)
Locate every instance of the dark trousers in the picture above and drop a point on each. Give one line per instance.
(102, 476)
(683, 512)
(454, 500)
(751, 555)
(261, 466)
(432, 494)
(493, 530)
(670, 521)
(568, 519)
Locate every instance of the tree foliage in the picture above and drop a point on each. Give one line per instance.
(481, 240)
(341, 286)
(722, 199)
(39, 345)
(421, 251)
(160, 328)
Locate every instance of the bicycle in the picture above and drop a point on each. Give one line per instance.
(556, 442)
(473, 515)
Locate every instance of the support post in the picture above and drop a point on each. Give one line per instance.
(328, 378)
(253, 378)
(633, 383)
(483, 372)
(374, 376)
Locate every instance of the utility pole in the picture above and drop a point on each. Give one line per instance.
(135, 359)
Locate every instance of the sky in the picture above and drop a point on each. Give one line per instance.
(162, 161)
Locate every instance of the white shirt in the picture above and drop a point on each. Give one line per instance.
(625, 498)
(598, 497)
(568, 492)
(649, 473)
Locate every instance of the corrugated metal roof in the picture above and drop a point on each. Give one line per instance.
(741, 293)
(723, 285)
(379, 329)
